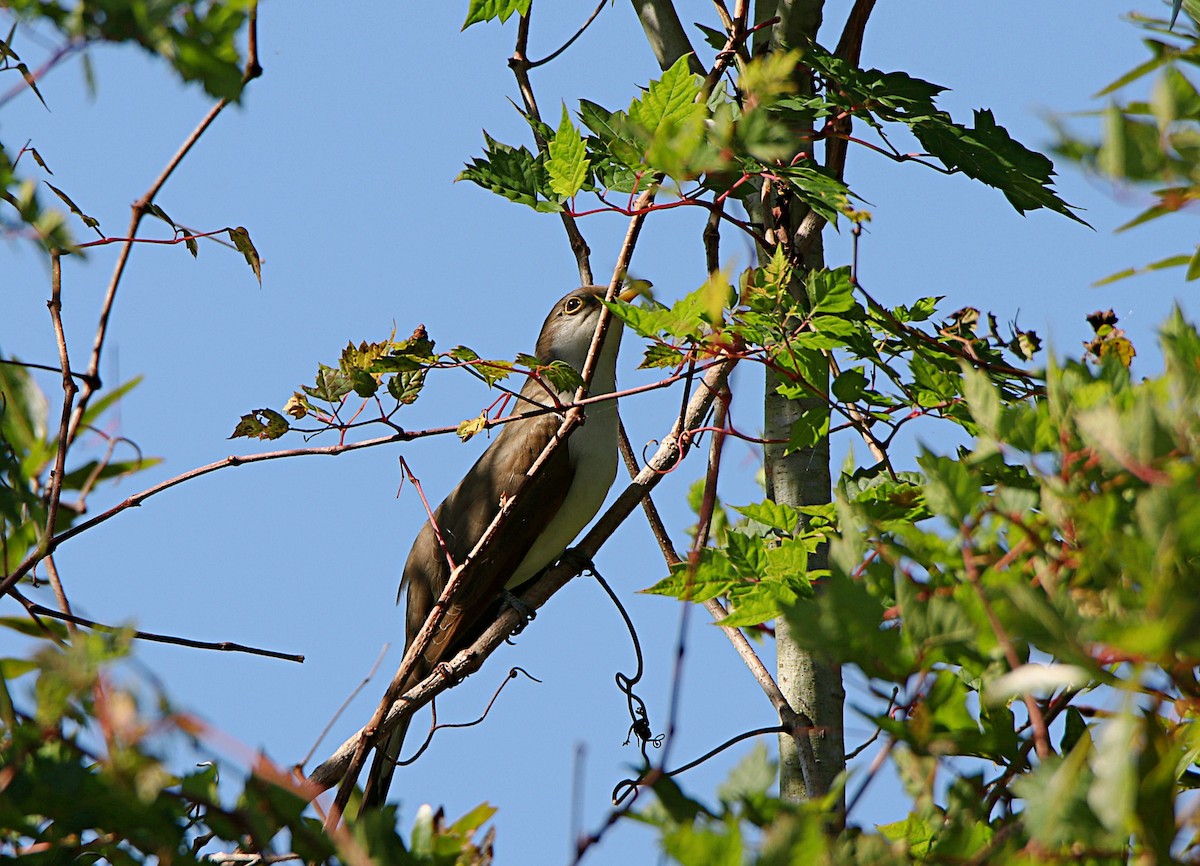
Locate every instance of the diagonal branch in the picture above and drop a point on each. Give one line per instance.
(673, 448)
(378, 726)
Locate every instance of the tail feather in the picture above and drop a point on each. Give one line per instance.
(379, 779)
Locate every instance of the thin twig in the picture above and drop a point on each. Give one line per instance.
(60, 594)
(70, 389)
(32, 366)
(534, 64)
(520, 65)
(222, 646)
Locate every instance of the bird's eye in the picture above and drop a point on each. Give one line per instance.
(573, 306)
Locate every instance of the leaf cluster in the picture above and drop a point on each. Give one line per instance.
(1151, 139)
(28, 451)
(197, 39)
(990, 595)
(85, 778)
(731, 139)
(397, 369)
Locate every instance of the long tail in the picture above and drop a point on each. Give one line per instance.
(382, 767)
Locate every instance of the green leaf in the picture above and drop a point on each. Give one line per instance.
(849, 385)
(88, 221)
(989, 154)
(406, 387)
(241, 240)
(661, 355)
(830, 292)
(844, 623)
(260, 424)
(331, 385)
(669, 101)
(568, 164)
(755, 603)
(951, 489)
(561, 376)
(514, 173)
(712, 576)
(31, 628)
(810, 427)
(480, 11)
(777, 516)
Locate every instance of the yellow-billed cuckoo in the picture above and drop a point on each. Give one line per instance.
(563, 497)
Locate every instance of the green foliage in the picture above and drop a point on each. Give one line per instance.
(479, 11)
(514, 173)
(762, 131)
(1151, 140)
(397, 369)
(84, 778)
(29, 442)
(197, 39)
(568, 164)
(1056, 555)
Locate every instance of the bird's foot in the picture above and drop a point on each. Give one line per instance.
(527, 613)
(449, 674)
(578, 560)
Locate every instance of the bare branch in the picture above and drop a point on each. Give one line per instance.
(223, 646)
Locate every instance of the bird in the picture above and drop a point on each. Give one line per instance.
(562, 499)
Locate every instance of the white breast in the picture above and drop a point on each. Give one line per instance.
(593, 454)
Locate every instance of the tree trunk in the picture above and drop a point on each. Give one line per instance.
(811, 684)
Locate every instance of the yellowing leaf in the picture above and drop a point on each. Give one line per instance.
(471, 426)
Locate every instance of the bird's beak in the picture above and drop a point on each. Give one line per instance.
(629, 294)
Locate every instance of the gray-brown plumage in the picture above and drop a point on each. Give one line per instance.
(560, 501)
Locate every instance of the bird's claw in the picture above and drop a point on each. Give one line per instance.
(527, 613)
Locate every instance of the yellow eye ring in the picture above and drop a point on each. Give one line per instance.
(573, 306)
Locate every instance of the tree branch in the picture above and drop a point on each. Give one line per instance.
(673, 448)
(665, 33)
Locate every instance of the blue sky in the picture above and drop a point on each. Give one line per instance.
(341, 163)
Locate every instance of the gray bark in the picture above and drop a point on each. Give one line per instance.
(665, 33)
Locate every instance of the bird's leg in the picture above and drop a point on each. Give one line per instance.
(527, 613)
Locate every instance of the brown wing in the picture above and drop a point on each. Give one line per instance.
(464, 516)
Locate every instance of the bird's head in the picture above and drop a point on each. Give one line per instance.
(567, 332)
